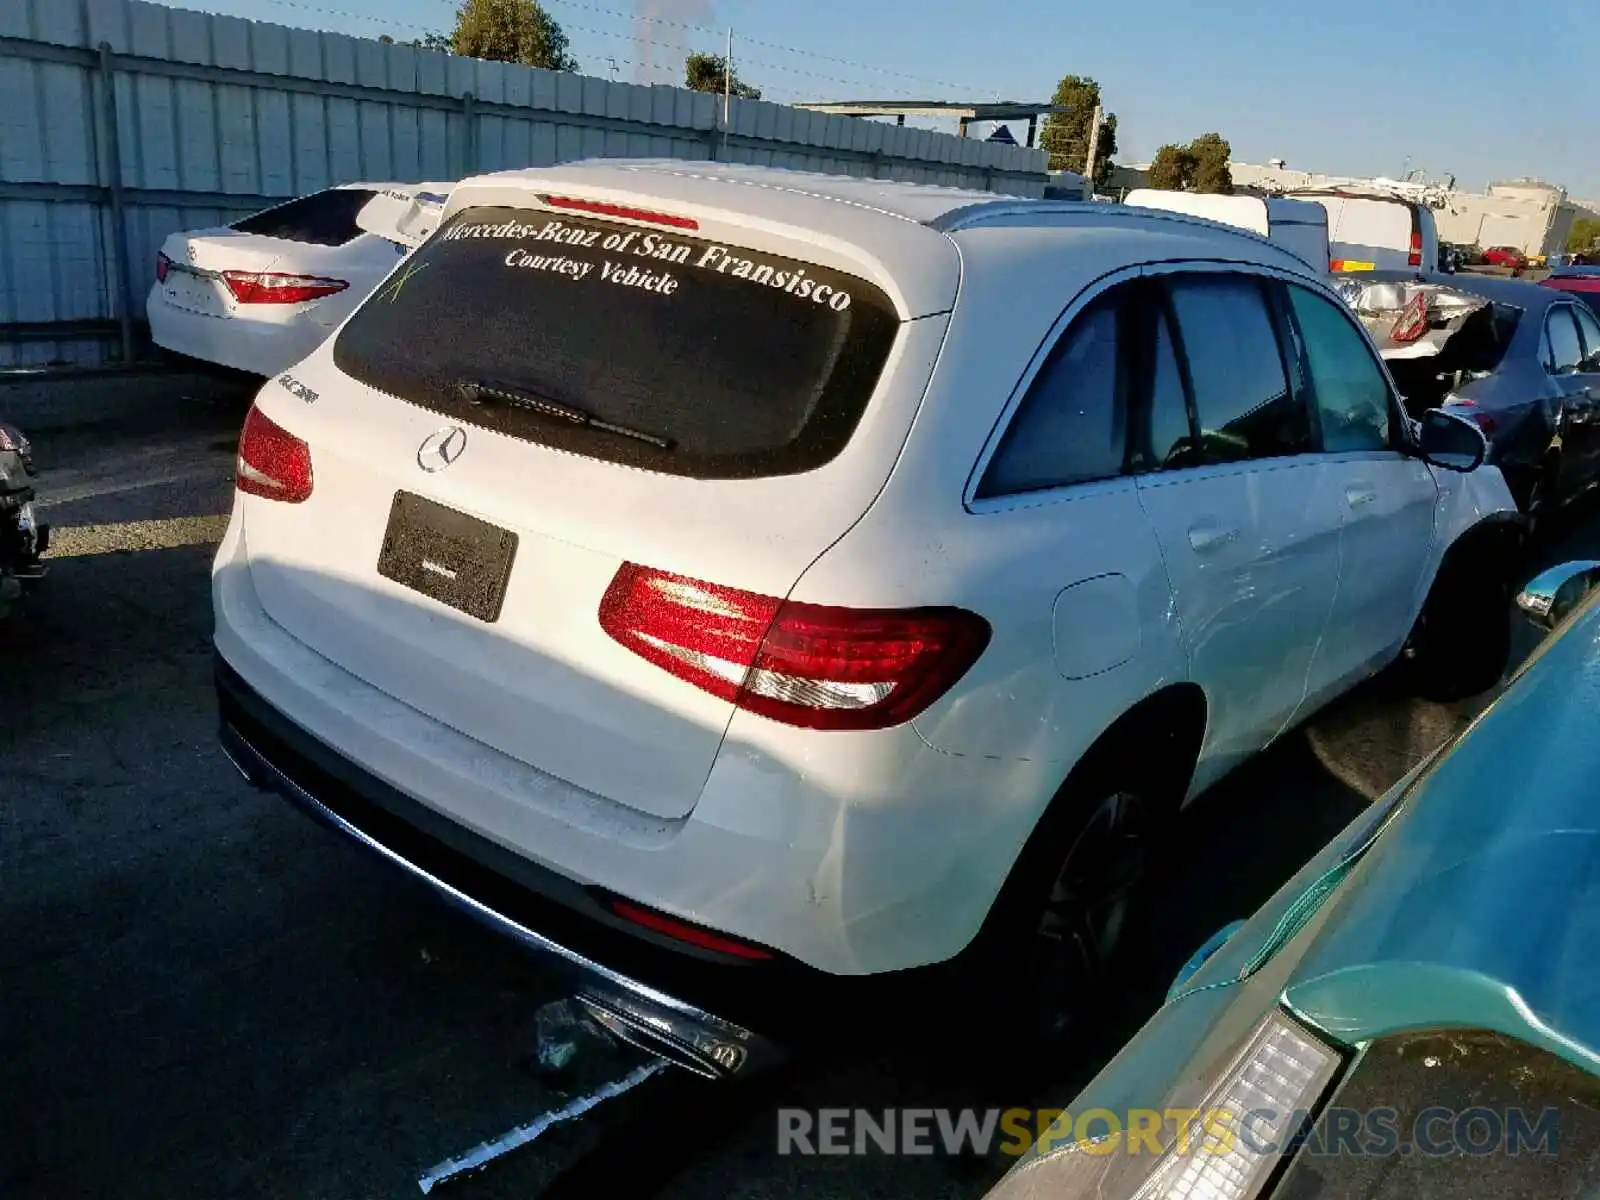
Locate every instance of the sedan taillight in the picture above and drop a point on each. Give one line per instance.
(812, 665)
(269, 287)
(163, 265)
(272, 462)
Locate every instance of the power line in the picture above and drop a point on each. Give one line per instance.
(760, 64)
(848, 62)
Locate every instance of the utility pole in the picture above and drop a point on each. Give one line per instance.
(727, 94)
(1094, 147)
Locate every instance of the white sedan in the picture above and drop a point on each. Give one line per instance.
(261, 294)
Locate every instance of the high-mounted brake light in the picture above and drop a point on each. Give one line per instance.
(272, 462)
(601, 209)
(1415, 257)
(812, 665)
(269, 287)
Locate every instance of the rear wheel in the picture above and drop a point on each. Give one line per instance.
(1084, 920)
(1076, 902)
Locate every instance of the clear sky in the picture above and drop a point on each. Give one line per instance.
(1482, 89)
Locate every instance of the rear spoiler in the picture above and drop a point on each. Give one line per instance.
(406, 214)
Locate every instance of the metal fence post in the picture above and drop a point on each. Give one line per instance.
(470, 151)
(121, 294)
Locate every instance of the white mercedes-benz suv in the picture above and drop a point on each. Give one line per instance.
(722, 577)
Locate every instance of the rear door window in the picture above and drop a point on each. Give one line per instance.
(1070, 425)
(1565, 348)
(1242, 396)
(1590, 328)
(320, 219)
(638, 346)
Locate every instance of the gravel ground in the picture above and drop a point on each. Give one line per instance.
(202, 994)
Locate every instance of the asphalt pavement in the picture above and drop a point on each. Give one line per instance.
(203, 994)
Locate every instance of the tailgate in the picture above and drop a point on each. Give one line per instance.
(743, 426)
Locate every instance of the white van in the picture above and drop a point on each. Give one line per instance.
(1377, 231)
(1299, 226)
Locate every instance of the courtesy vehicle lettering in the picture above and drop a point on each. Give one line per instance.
(793, 280)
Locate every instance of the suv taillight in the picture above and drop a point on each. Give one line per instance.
(268, 287)
(1415, 258)
(272, 462)
(811, 665)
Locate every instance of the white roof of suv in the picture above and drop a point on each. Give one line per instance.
(895, 234)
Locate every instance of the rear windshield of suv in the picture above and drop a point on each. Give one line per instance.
(639, 346)
(320, 219)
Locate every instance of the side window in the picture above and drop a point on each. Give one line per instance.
(1352, 395)
(1590, 328)
(1566, 351)
(1070, 427)
(1167, 441)
(1242, 398)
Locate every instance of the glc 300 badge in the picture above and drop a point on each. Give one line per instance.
(296, 389)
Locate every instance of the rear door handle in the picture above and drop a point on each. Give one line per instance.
(1358, 496)
(1210, 537)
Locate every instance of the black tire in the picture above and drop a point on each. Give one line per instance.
(1076, 900)
(1461, 642)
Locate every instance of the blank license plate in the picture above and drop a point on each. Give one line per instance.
(456, 559)
(187, 291)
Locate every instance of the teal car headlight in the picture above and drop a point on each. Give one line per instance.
(1224, 1148)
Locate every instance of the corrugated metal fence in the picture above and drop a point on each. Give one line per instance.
(210, 117)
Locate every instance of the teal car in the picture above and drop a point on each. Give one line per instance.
(1416, 1014)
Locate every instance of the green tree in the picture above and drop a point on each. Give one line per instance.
(517, 31)
(709, 73)
(434, 41)
(1585, 234)
(1201, 166)
(1066, 135)
(1211, 152)
(1172, 169)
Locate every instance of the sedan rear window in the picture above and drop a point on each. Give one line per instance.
(320, 219)
(638, 346)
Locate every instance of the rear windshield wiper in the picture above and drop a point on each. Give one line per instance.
(475, 391)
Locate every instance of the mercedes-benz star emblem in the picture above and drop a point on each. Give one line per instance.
(442, 448)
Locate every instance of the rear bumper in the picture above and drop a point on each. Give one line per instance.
(553, 917)
(253, 345)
